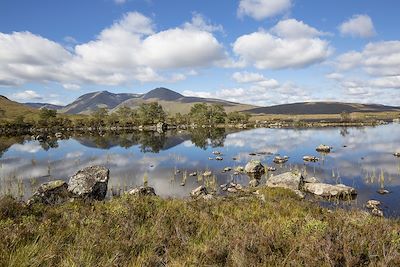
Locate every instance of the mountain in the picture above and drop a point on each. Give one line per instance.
(173, 102)
(43, 105)
(88, 103)
(11, 109)
(322, 108)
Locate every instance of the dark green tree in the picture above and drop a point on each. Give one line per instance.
(150, 113)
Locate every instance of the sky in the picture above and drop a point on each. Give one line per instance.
(260, 52)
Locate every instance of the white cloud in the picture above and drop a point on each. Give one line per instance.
(200, 23)
(287, 49)
(377, 59)
(120, 2)
(128, 50)
(291, 28)
(27, 95)
(256, 78)
(257, 92)
(358, 26)
(71, 86)
(261, 9)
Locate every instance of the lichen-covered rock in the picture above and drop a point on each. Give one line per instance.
(289, 180)
(89, 183)
(329, 190)
(254, 168)
(254, 182)
(143, 191)
(199, 191)
(51, 193)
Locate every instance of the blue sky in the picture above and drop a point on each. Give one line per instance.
(261, 52)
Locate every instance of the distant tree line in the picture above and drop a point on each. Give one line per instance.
(145, 114)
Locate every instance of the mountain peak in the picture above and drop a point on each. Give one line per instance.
(162, 94)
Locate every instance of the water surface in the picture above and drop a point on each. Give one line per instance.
(361, 157)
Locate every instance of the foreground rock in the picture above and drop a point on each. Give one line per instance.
(288, 180)
(201, 192)
(323, 148)
(329, 190)
(254, 168)
(51, 193)
(143, 191)
(90, 183)
(232, 187)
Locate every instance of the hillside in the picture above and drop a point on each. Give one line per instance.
(322, 108)
(173, 102)
(14, 109)
(43, 105)
(87, 103)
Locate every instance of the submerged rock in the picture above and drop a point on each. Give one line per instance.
(143, 191)
(382, 191)
(323, 148)
(51, 193)
(329, 190)
(254, 168)
(90, 183)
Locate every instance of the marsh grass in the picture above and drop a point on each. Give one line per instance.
(229, 231)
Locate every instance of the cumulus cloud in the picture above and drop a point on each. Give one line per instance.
(130, 49)
(358, 26)
(377, 59)
(261, 9)
(290, 44)
(255, 89)
(27, 95)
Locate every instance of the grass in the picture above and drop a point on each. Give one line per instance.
(13, 110)
(230, 231)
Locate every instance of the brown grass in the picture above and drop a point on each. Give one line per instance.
(233, 231)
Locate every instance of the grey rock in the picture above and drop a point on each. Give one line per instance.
(310, 158)
(254, 182)
(329, 190)
(199, 191)
(89, 183)
(280, 160)
(373, 204)
(323, 148)
(255, 168)
(311, 180)
(51, 193)
(289, 180)
(143, 191)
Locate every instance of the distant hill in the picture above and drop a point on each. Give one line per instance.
(173, 102)
(322, 108)
(43, 105)
(14, 109)
(88, 103)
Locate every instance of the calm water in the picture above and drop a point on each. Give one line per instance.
(361, 157)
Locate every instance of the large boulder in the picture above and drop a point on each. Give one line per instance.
(89, 183)
(288, 180)
(254, 168)
(143, 191)
(51, 193)
(329, 190)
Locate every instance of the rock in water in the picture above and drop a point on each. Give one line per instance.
(51, 193)
(329, 190)
(143, 191)
(254, 168)
(289, 180)
(323, 148)
(90, 183)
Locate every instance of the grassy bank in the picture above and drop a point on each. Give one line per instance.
(271, 229)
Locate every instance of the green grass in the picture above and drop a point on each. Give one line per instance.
(13, 110)
(233, 231)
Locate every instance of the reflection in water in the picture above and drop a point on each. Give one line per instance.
(361, 157)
